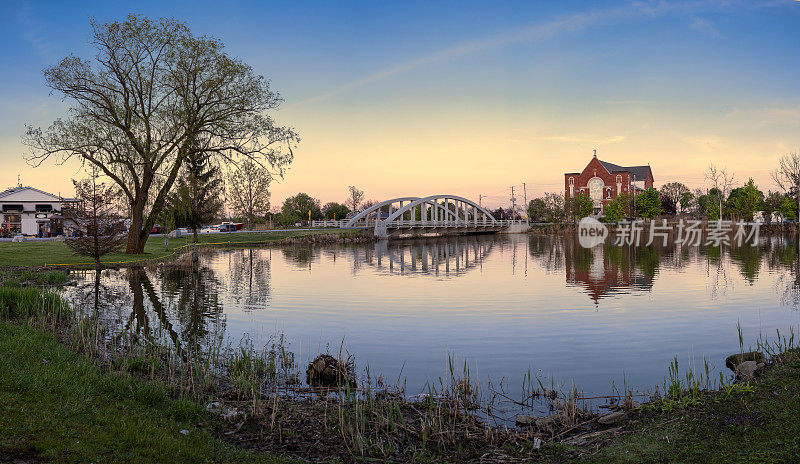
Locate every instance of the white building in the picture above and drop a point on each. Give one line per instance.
(30, 211)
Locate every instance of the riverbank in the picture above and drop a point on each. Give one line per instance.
(253, 399)
(57, 255)
(58, 406)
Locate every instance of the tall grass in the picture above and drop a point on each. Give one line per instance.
(26, 302)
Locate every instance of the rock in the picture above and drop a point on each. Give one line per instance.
(761, 366)
(612, 418)
(213, 406)
(746, 370)
(326, 373)
(735, 359)
(547, 422)
(525, 421)
(18, 238)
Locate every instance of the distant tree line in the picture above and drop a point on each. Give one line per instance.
(723, 200)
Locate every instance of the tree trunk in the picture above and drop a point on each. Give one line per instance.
(139, 230)
(133, 245)
(194, 248)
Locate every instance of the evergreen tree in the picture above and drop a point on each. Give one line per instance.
(196, 200)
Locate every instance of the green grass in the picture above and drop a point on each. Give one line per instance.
(38, 254)
(57, 406)
(29, 277)
(737, 425)
(26, 302)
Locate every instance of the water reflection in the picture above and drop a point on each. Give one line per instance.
(506, 303)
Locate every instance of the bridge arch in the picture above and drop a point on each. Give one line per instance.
(432, 200)
(376, 207)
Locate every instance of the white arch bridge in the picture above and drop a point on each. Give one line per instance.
(426, 216)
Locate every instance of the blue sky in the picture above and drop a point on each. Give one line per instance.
(414, 98)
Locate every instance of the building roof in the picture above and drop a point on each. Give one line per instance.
(14, 190)
(639, 172)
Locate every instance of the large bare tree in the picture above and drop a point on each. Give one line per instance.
(248, 191)
(153, 94)
(355, 198)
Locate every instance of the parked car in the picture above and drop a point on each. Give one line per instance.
(209, 230)
(184, 230)
(227, 227)
(156, 229)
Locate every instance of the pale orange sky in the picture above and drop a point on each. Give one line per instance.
(483, 105)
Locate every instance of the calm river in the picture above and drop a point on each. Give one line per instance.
(505, 304)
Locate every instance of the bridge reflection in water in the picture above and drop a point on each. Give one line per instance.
(450, 256)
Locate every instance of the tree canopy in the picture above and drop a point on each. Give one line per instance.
(746, 200)
(335, 210)
(581, 206)
(675, 191)
(617, 209)
(248, 191)
(297, 208)
(152, 94)
(648, 203)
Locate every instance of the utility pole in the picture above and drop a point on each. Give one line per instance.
(525, 197)
(513, 203)
(480, 200)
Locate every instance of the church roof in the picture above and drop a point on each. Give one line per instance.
(639, 172)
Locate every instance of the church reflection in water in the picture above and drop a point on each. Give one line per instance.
(607, 270)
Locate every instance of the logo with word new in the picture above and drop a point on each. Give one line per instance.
(591, 232)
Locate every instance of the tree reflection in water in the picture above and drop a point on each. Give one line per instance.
(606, 270)
(249, 273)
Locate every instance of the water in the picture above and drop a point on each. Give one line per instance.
(504, 304)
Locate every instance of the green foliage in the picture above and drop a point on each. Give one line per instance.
(687, 201)
(617, 209)
(56, 406)
(746, 200)
(675, 191)
(150, 94)
(248, 191)
(648, 203)
(772, 204)
(24, 302)
(299, 206)
(549, 208)
(702, 205)
(537, 210)
(196, 200)
(581, 206)
(335, 210)
(788, 208)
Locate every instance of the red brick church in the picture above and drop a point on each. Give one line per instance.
(602, 182)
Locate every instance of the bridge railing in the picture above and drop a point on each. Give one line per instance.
(402, 223)
(329, 223)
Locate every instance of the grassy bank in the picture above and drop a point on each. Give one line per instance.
(41, 254)
(71, 393)
(760, 424)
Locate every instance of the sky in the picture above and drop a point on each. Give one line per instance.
(465, 98)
